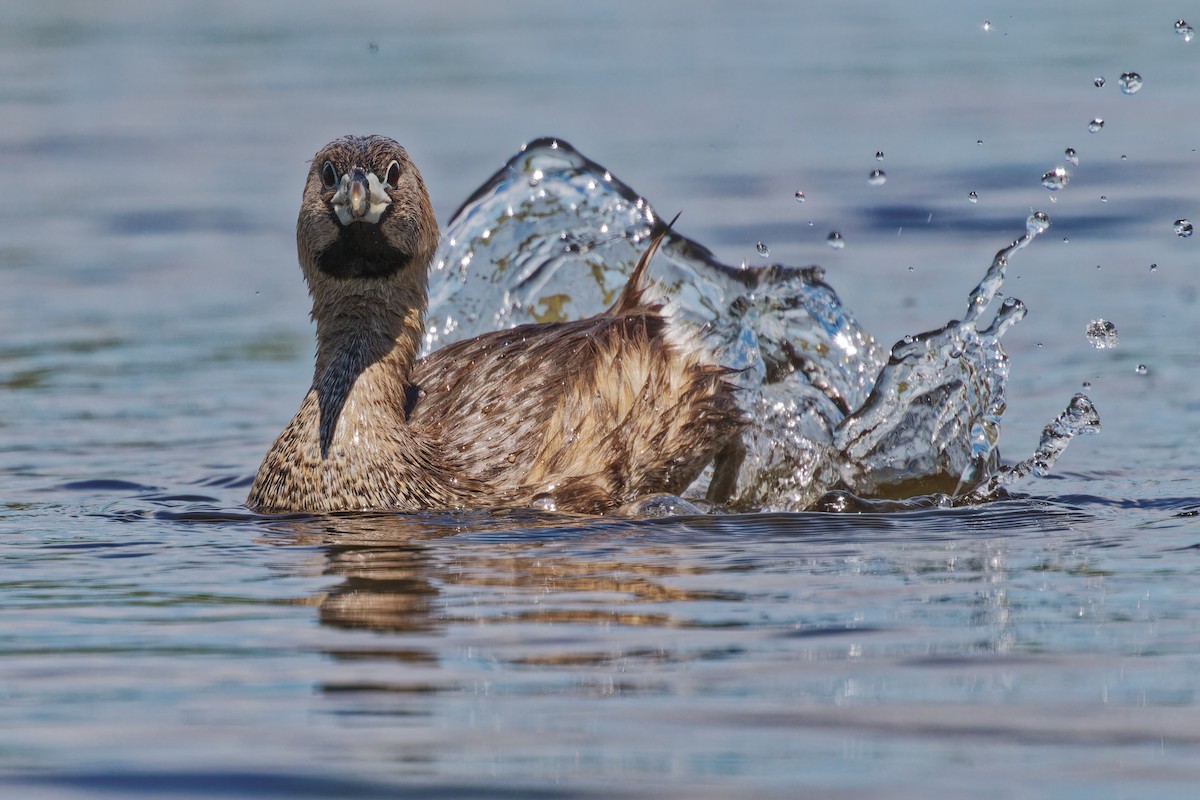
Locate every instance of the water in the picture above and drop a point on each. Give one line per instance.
(161, 641)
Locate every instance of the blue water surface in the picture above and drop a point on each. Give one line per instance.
(160, 641)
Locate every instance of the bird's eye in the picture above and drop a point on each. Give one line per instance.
(329, 175)
(393, 173)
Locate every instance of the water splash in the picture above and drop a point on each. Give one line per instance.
(1056, 179)
(1079, 417)
(1102, 334)
(1131, 82)
(552, 236)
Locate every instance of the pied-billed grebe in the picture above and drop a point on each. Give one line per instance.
(582, 416)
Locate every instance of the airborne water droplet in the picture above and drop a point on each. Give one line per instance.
(1102, 334)
(763, 250)
(835, 240)
(1037, 223)
(879, 155)
(1099, 81)
(1130, 82)
(1142, 369)
(973, 197)
(1154, 267)
(877, 178)
(1096, 125)
(1184, 30)
(987, 26)
(1183, 228)
(800, 198)
(1072, 156)
(1056, 179)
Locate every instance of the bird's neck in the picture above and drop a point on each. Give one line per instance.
(367, 340)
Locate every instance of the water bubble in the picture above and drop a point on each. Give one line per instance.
(973, 197)
(1130, 82)
(877, 178)
(800, 198)
(835, 240)
(1055, 179)
(1102, 334)
(1142, 369)
(762, 249)
(1099, 81)
(1037, 223)
(1184, 30)
(1072, 156)
(1183, 228)
(879, 155)
(1096, 125)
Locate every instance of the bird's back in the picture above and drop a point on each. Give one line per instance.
(594, 413)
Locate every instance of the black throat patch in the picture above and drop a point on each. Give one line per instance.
(362, 251)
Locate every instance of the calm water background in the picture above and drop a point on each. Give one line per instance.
(159, 641)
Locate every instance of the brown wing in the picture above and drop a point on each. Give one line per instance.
(597, 412)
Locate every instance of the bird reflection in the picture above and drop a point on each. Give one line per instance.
(397, 572)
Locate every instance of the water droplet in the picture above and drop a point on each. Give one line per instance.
(1142, 369)
(908, 339)
(987, 26)
(1184, 30)
(979, 142)
(877, 178)
(1096, 125)
(762, 249)
(1103, 198)
(1154, 267)
(1099, 81)
(912, 269)
(1066, 240)
(1037, 223)
(1124, 157)
(1072, 156)
(1130, 82)
(1087, 384)
(1056, 179)
(800, 198)
(973, 197)
(879, 155)
(1183, 228)
(835, 240)
(1102, 334)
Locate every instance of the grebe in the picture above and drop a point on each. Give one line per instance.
(584, 416)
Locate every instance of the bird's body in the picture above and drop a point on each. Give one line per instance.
(582, 416)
